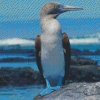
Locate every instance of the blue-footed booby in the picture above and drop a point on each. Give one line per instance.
(52, 47)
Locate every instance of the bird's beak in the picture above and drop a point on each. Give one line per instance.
(64, 8)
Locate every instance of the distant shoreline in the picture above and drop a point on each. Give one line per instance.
(74, 52)
(74, 61)
(30, 57)
(16, 59)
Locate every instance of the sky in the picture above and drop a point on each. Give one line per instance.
(20, 18)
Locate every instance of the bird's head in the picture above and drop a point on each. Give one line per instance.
(53, 9)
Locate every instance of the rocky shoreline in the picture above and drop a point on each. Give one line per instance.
(16, 59)
(74, 52)
(74, 61)
(80, 84)
(77, 52)
(81, 70)
(27, 76)
(83, 61)
(19, 76)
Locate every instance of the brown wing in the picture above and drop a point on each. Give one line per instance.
(38, 52)
(67, 54)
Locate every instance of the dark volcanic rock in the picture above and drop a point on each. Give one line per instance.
(32, 55)
(87, 73)
(74, 91)
(86, 52)
(19, 76)
(77, 52)
(97, 52)
(83, 61)
(16, 50)
(17, 59)
(81, 70)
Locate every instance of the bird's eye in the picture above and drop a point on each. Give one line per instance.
(57, 6)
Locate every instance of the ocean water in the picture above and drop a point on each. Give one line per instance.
(20, 64)
(25, 55)
(20, 93)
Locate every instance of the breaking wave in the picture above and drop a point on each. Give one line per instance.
(16, 41)
(87, 39)
(84, 40)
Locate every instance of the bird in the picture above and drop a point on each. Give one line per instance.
(52, 47)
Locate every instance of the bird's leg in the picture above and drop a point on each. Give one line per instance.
(59, 84)
(60, 81)
(48, 89)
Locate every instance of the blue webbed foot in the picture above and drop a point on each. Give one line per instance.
(49, 88)
(46, 91)
(55, 88)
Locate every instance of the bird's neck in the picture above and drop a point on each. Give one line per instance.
(49, 24)
(53, 16)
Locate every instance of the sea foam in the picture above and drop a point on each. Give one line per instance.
(16, 41)
(87, 39)
(82, 40)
